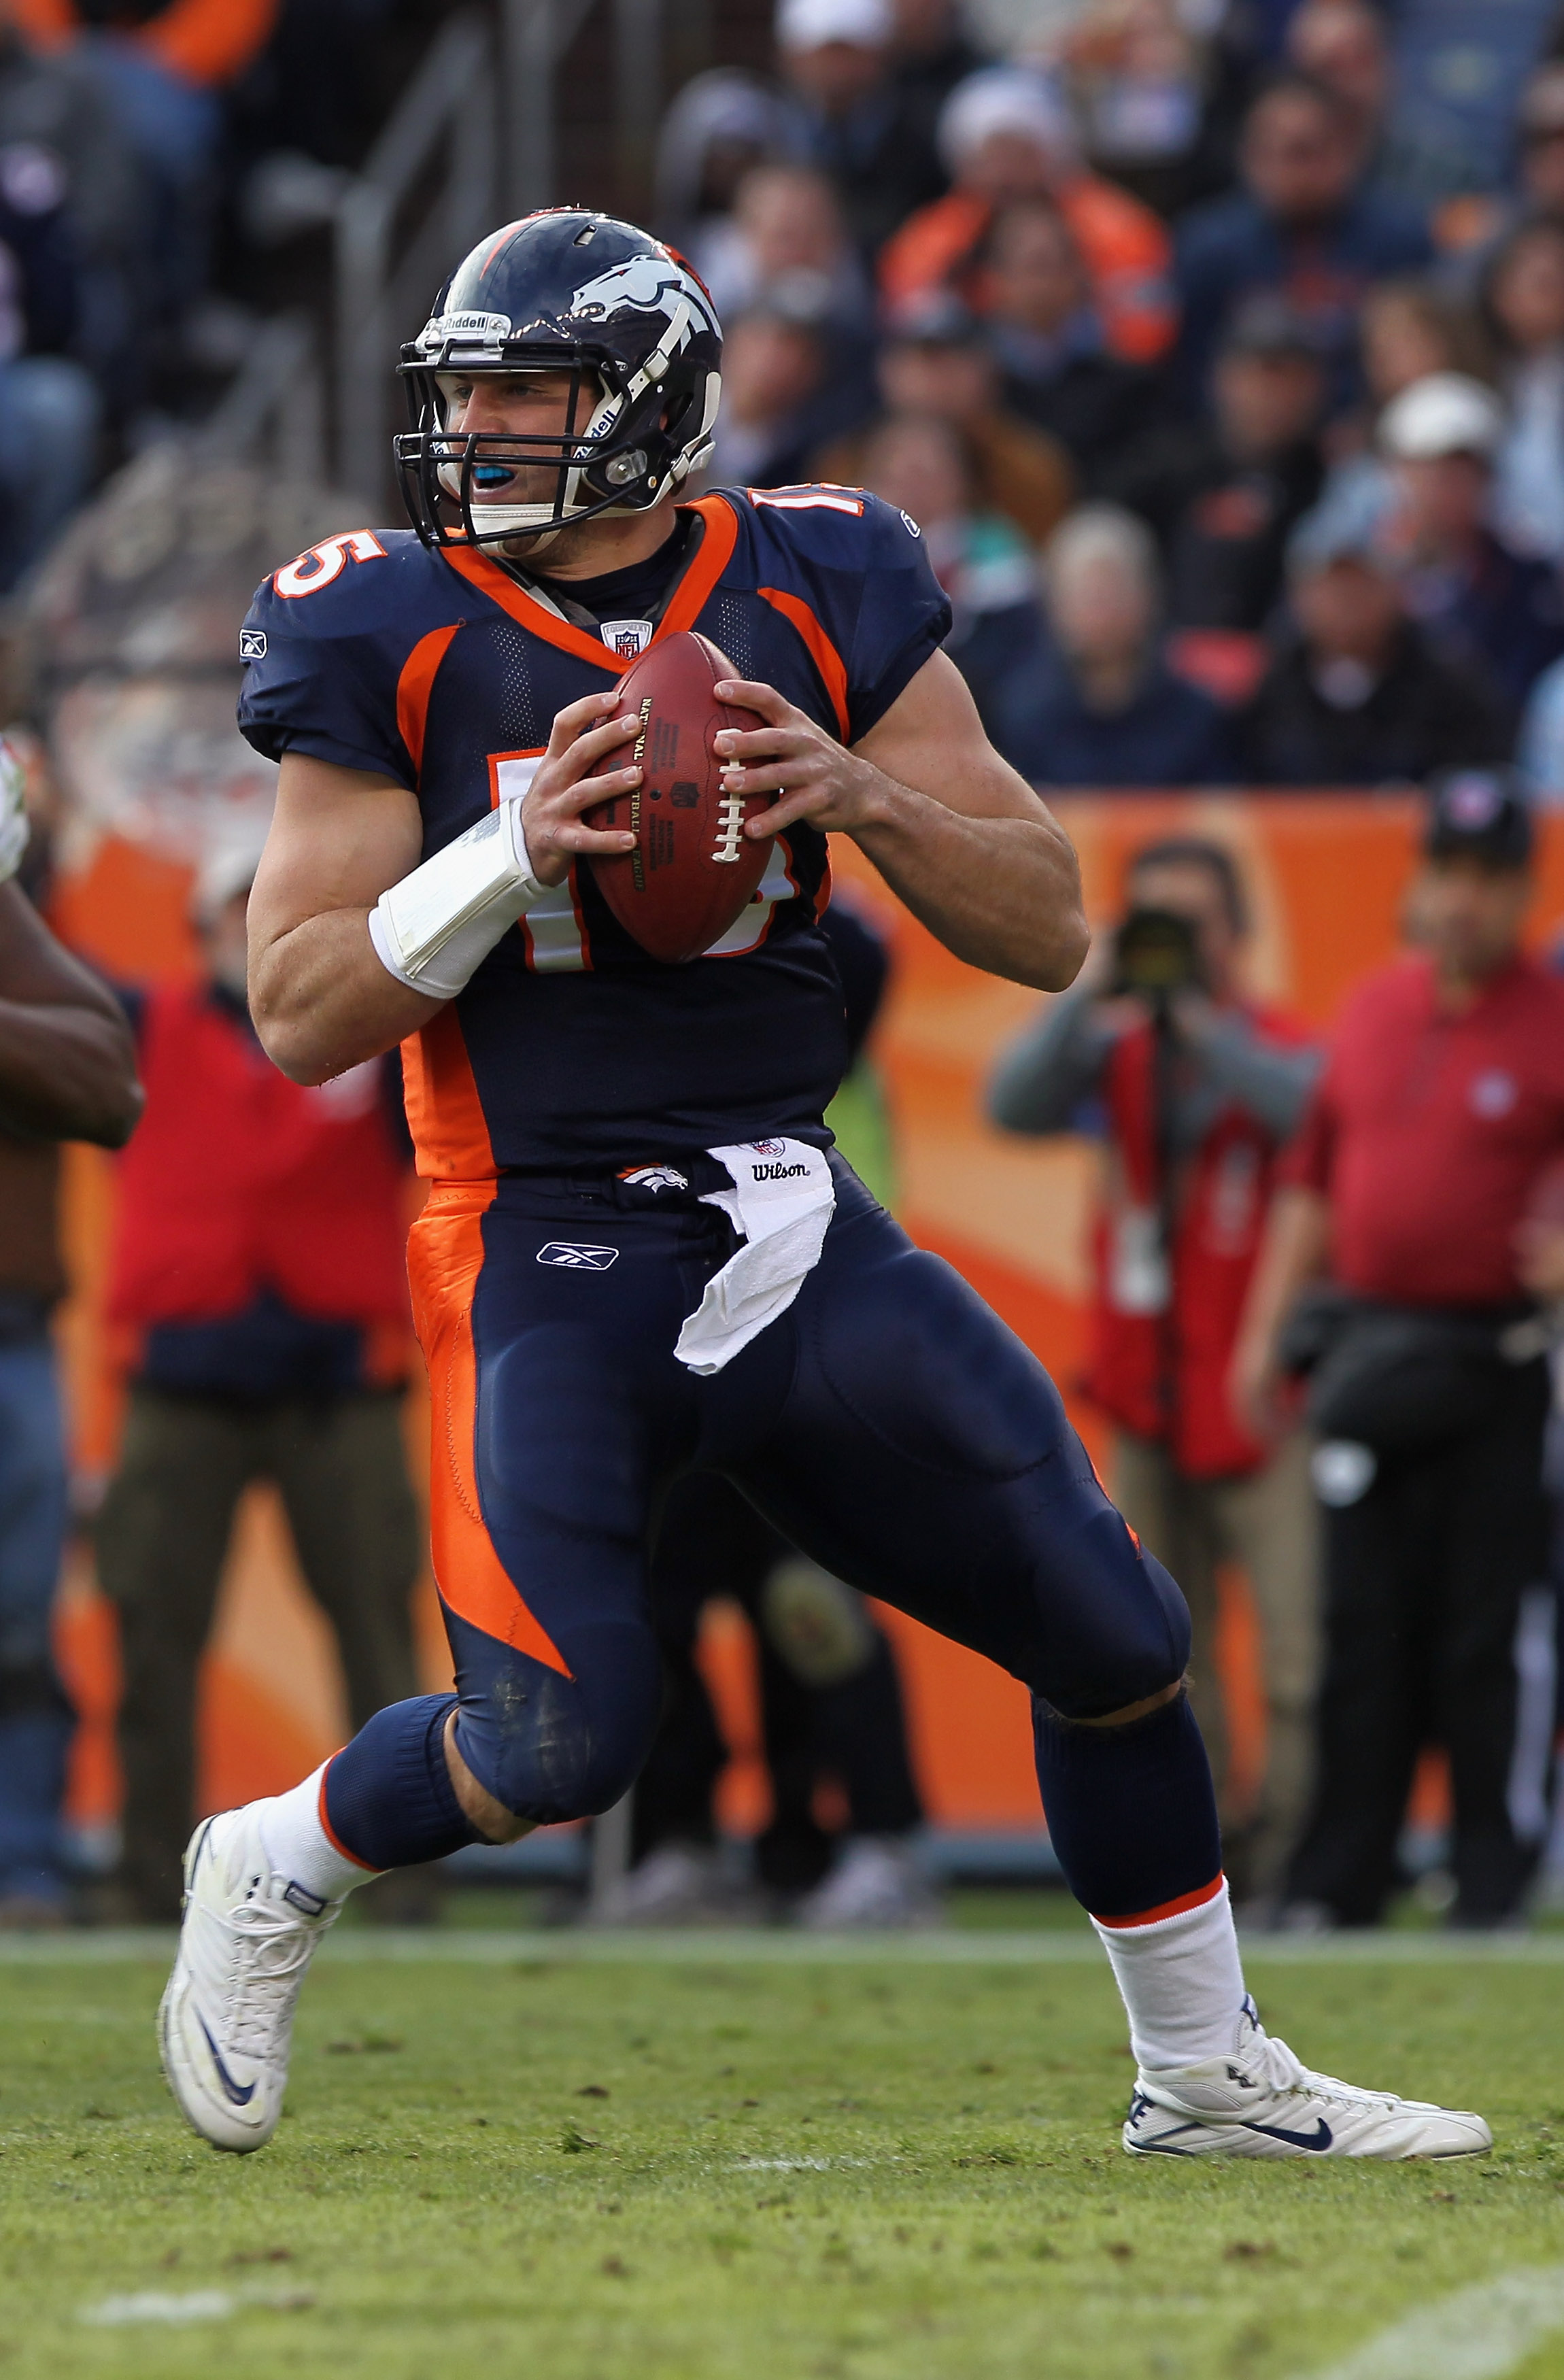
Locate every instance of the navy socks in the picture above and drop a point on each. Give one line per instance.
(1131, 1810)
(389, 1798)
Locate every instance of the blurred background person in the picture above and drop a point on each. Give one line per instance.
(779, 397)
(1440, 1108)
(68, 1072)
(1345, 46)
(1198, 1089)
(1523, 300)
(856, 120)
(715, 133)
(1301, 224)
(1105, 709)
(1410, 327)
(935, 360)
(1224, 492)
(786, 233)
(164, 67)
(1151, 91)
(49, 407)
(924, 467)
(1354, 693)
(1006, 136)
(259, 1289)
(1046, 334)
(1479, 599)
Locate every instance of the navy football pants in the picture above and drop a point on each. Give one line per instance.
(887, 1424)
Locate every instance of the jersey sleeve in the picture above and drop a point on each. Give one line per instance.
(317, 681)
(904, 615)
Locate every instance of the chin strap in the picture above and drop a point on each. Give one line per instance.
(431, 930)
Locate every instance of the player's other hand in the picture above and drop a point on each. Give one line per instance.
(813, 775)
(571, 780)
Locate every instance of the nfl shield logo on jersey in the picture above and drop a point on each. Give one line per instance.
(626, 637)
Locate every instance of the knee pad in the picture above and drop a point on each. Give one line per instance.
(549, 1747)
(1132, 1631)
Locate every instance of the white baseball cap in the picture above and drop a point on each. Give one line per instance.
(810, 24)
(1444, 413)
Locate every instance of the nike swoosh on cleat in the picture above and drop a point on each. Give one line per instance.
(241, 2096)
(1319, 2138)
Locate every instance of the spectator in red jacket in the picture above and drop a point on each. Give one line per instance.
(1194, 1095)
(259, 1293)
(1416, 1184)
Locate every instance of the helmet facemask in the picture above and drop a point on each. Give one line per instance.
(615, 453)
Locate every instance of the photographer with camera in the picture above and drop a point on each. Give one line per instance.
(1418, 1200)
(1195, 1087)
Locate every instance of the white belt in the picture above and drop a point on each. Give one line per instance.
(781, 1202)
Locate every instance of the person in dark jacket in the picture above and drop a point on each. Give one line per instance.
(853, 117)
(1224, 493)
(1048, 338)
(1301, 224)
(258, 1295)
(1105, 709)
(1480, 600)
(1356, 695)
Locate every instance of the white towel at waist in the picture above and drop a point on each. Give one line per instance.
(782, 1201)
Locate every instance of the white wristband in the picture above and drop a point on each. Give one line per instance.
(431, 930)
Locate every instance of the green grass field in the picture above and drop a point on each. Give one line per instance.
(689, 2166)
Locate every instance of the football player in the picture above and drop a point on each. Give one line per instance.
(640, 1255)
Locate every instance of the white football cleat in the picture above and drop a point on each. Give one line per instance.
(1262, 2103)
(225, 2020)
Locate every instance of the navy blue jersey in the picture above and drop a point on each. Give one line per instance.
(437, 668)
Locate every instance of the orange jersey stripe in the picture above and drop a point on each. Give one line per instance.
(1167, 1908)
(822, 652)
(414, 687)
(444, 1259)
(444, 1113)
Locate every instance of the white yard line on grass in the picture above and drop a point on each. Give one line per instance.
(957, 1947)
(1479, 2334)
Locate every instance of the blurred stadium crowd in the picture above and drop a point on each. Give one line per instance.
(1217, 347)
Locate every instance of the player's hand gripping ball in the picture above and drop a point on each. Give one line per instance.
(692, 869)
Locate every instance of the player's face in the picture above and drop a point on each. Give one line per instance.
(515, 405)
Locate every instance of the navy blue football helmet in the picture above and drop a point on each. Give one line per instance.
(566, 290)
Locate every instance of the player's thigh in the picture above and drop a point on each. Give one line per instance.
(550, 1441)
(924, 1454)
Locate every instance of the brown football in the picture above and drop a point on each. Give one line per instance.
(693, 869)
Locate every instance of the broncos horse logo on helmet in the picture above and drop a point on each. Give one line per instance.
(566, 291)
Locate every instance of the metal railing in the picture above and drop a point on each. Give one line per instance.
(474, 137)
(442, 136)
(274, 409)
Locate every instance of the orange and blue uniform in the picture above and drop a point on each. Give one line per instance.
(569, 1106)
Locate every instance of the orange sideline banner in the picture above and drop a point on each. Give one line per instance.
(1325, 875)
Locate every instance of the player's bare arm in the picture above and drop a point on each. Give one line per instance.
(67, 1066)
(953, 830)
(321, 998)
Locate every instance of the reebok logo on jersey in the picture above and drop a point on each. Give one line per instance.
(574, 1257)
(252, 644)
